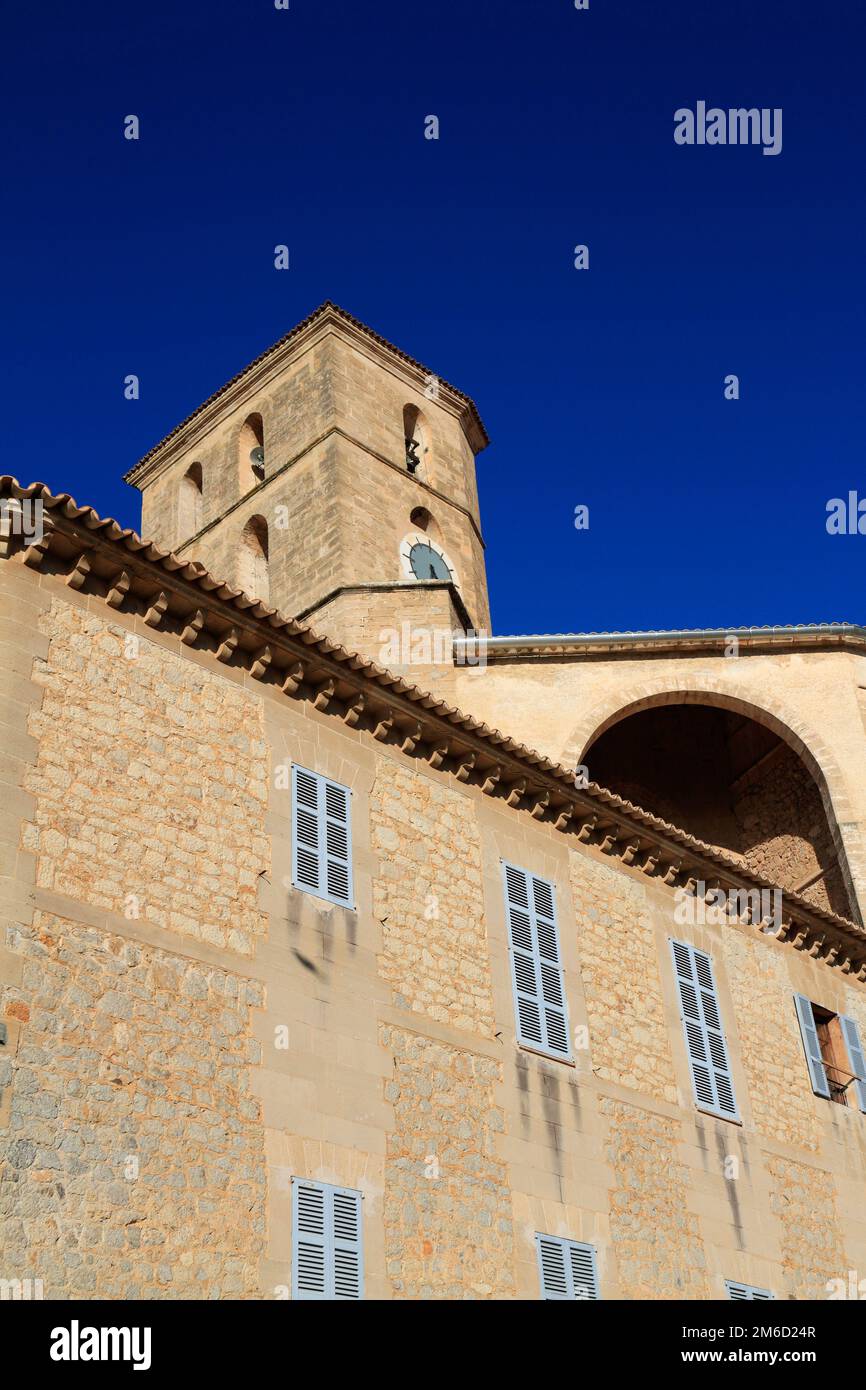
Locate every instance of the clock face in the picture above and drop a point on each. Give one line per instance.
(427, 563)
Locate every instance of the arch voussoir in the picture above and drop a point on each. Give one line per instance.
(764, 709)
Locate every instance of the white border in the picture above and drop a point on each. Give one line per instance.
(421, 538)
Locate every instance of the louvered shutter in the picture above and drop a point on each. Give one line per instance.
(327, 1245)
(322, 837)
(702, 1026)
(856, 1058)
(338, 849)
(566, 1269)
(348, 1273)
(747, 1292)
(536, 966)
(811, 1046)
(309, 1241)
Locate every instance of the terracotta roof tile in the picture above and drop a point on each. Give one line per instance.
(197, 575)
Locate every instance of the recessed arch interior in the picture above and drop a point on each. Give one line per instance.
(251, 442)
(253, 559)
(416, 436)
(731, 775)
(190, 502)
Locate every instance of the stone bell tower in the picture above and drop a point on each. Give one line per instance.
(334, 478)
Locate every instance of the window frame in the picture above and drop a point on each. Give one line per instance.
(526, 1043)
(322, 783)
(716, 1110)
(330, 1243)
(751, 1292)
(567, 1245)
(845, 1036)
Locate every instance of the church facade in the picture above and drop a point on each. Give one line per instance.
(350, 951)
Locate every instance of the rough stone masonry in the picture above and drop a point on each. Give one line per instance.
(187, 1031)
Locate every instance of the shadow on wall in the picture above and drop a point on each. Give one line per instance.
(733, 783)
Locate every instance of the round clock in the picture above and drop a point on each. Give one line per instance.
(427, 563)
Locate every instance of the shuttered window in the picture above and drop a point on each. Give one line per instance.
(327, 1253)
(536, 964)
(815, 1058)
(746, 1291)
(566, 1269)
(321, 837)
(811, 1046)
(856, 1058)
(702, 1026)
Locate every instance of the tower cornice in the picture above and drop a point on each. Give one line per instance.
(328, 318)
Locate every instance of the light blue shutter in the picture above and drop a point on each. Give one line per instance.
(536, 966)
(856, 1058)
(322, 837)
(338, 842)
(309, 1240)
(327, 1242)
(746, 1291)
(566, 1269)
(346, 1233)
(811, 1046)
(702, 1026)
(306, 830)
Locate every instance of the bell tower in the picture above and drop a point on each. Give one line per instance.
(334, 479)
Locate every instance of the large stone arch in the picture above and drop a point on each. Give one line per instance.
(770, 712)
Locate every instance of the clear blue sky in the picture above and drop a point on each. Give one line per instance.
(603, 387)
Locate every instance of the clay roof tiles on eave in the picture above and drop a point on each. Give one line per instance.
(325, 308)
(196, 574)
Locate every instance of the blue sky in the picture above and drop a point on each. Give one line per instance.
(600, 387)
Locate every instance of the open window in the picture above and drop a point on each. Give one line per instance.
(416, 438)
(251, 454)
(834, 1053)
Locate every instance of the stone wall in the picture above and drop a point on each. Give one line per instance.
(730, 782)
(428, 896)
(619, 963)
(241, 1037)
(405, 628)
(448, 1231)
(295, 410)
(813, 1249)
(133, 1163)
(558, 706)
(785, 835)
(657, 1239)
(336, 496)
(149, 783)
(769, 1041)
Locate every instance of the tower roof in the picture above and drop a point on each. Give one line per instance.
(326, 312)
